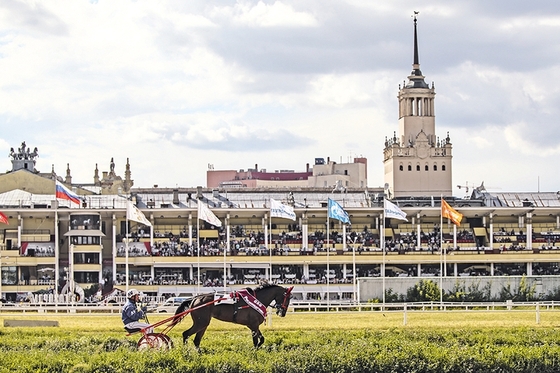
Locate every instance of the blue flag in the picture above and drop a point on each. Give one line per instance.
(337, 212)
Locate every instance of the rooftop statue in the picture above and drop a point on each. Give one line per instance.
(24, 153)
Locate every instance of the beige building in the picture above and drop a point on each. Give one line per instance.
(340, 176)
(324, 174)
(416, 162)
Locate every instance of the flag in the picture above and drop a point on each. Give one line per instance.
(450, 213)
(393, 211)
(280, 210)
(61, 192)
(337, 212)
(134, 214)
(4, 218)
(207, 215)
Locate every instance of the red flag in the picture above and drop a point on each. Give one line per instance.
(4, 218)
(450, 213)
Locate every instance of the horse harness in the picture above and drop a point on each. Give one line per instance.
(245, 295)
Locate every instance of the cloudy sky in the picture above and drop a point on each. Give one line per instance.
(177, 85)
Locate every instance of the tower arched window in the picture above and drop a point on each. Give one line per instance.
(443, 167)
(426, 168)
(409, 168)
(417, 167)
(401, 167)
(435, 167)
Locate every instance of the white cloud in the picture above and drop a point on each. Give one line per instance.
(175, 86)
(278, 14)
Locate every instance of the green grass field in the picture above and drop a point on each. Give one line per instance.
(328, 321)
(431, 341)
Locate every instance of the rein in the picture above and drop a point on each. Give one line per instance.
(286, 300)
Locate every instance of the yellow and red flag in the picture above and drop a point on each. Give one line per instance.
(450, 213)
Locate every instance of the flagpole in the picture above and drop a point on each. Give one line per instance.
(354, 270)
(56, 255)
(382, 245)
(268, 242)
(198, 251)
(441, 254)
(328, 255)
(126, 251)
(225, 250)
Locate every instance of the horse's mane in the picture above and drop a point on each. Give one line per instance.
(265, 285)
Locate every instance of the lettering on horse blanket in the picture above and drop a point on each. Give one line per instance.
(249, 298)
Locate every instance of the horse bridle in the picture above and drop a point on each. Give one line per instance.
(285, 302)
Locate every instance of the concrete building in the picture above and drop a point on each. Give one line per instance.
(324, 174)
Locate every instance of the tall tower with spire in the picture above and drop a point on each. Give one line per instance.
(416, 162)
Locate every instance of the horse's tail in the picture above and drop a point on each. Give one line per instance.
(181, 309)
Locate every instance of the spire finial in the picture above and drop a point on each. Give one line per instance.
(415, 38)
(416, 79)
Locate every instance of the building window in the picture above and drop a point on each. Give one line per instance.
(426, 168)
(400, 167)
(409, 168)
(443, 167)
(417, 167)
(435, 167)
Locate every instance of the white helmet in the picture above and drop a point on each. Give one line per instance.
(132, 292)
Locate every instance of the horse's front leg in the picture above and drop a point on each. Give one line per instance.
(258, 338)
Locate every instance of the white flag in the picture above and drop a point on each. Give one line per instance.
(393, 211)
(132, 213)
(207, 215)
(280, 210)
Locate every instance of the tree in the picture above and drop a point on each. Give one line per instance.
(423, 291)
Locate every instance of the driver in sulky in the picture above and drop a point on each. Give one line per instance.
(131, 313)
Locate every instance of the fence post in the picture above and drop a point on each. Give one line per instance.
(404, 314)
(538, 314)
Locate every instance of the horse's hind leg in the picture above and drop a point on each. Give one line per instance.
(198, 338)
(187, 333)
(200, 323)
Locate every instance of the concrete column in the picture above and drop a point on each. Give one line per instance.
(190, 230)
(529, 231)
(418, 232)
(491, 218)
(304, 231)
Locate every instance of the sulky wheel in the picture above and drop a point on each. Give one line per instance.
(155, 341)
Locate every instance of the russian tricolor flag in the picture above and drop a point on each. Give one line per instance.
(4, 218)
(64, 193)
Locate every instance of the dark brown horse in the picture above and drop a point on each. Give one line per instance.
(204, 307)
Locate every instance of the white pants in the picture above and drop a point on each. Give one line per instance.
(139, 325)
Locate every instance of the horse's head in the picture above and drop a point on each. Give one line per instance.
(282, 301)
